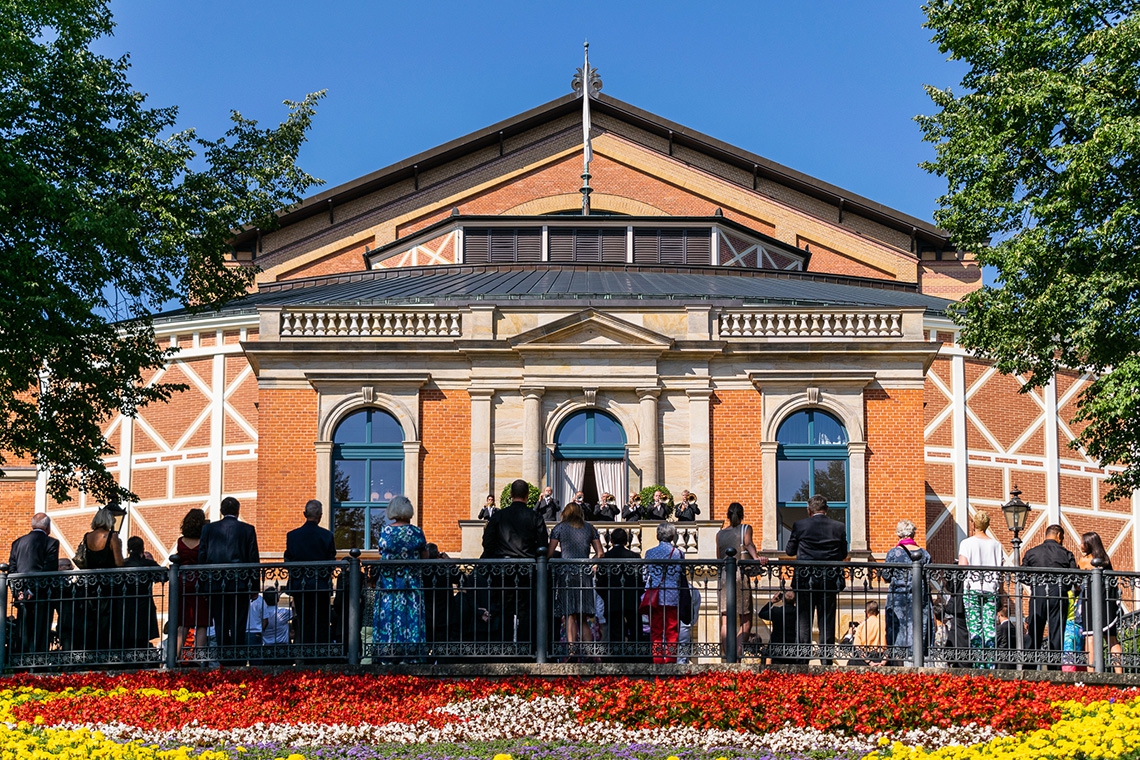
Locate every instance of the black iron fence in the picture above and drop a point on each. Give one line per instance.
(602, 610)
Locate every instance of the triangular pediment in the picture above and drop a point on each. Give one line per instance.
(591, 329)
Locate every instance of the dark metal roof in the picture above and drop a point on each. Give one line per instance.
(611, 284)
(677, 133)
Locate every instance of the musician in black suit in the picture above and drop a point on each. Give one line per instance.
(37, 552)
(817, 538)
(230, 541)
(311, 588)
(548, 506)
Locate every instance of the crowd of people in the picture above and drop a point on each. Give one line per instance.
(645, 610)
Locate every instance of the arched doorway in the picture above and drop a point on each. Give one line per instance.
(812, 459)
(589, 456)
(368, 470)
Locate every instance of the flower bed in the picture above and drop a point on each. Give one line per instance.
(314, 716)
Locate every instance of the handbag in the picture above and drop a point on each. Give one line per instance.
(80, 558)
(684, 599)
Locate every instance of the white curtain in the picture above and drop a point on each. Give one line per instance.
(570, 481)
(608, 473)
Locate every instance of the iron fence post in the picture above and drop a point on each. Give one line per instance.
(4, 623)
(917, 585)
(730, 642)
(173, 611)
(541, 605)
(354, 589)
(1096, 601)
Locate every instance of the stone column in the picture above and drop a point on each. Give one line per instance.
(649, 447)
(699, 453)
(480, 446)
(770, 520)
(324, 492)
(412, 478)
(533, 452)
(857, 499)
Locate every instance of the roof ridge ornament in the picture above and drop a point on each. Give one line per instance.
(594, 79)
(586, 83)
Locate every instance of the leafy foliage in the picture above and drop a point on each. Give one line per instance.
(1041, 153)
(531, 500)
(106, 216)
(647, 497)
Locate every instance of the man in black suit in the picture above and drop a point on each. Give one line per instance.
(817, 538)
(517, 532)
(620, 587)
(311, 588)
(36, 552)
(225, 542)
(548, 506)
(1049, 603)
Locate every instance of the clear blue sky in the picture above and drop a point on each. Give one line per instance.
(827, 87)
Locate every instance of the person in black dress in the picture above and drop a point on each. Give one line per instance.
(104, 551)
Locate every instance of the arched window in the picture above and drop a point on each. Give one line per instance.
(811, 459)
(368, 470)
(589, 456)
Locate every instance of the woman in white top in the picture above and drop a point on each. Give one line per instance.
(981, 590)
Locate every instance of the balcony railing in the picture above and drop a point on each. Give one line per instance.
(446, 611)
(811, 324)
(337, 323)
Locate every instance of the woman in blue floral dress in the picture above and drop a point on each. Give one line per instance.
(398, 610)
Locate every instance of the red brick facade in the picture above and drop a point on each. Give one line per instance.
(286, 465)
(894, 463)
(445, 464)
(736, 432)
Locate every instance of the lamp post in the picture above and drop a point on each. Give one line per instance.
(1016, 514)
(119, 513)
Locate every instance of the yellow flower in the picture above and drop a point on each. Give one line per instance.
(502, 756)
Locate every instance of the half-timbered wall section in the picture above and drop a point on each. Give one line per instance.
(985, 437)
(190, 452)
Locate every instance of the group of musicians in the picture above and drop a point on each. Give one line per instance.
(662, 507)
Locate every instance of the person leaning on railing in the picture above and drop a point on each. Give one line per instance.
(398, 613)
(900, 594)
(662, 594)
(738, 537)
(1092, 548)
(104, 551)
(817, 538)
(980, 589)
(36, 552)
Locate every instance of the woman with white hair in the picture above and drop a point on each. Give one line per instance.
(900, 597)
(398, 609)
(662, 596)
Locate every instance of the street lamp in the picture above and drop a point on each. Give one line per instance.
(1016, 514)
(118, 513)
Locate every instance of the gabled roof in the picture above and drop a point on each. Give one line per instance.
(323, 202)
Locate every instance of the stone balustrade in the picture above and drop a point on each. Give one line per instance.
(811, 324)
(330, 323)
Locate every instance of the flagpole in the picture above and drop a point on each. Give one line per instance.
(587, 152)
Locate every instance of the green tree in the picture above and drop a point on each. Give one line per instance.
(107, 214)
(1041, 153)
